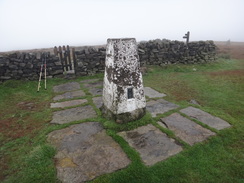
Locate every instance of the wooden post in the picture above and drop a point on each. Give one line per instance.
(74, 59)
(69, 59)
(55, 51)
(65, 58)
(60, 56)
(187, 36)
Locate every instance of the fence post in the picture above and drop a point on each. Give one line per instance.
(187, 37)
(55, 51)
(61, 56)
(74, 59)
(65, 58)
(69, 59)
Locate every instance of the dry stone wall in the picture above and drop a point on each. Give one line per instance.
(27, 66)
(163, 52)
(91, 60)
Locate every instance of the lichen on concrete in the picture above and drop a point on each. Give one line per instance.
(122, 72)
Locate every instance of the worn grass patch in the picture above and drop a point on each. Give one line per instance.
(218, 87)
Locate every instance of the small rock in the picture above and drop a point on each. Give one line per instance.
(193, 101)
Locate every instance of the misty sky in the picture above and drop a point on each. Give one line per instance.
(29, 24)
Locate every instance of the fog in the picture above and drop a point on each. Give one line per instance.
(29, 24)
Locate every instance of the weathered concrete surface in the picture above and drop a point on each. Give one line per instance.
(123, 117)
(160, 106)
(152, 144)
(151, 93)
(84, 151)
(66, 87)
(205, 118)
(73, 114)
(68, 103)
(186, 129)
(69, 95)
(123, 91)
(98, 101)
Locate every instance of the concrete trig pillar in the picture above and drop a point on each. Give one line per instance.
(123, 94)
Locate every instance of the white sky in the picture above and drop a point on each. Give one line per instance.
(29, 24)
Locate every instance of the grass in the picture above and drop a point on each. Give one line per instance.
(25, 156)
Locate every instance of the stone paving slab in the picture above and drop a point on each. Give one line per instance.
(85, 151)
(159, 106)
(66, 87)
(97, 84)
(152, 144)
(98, 101)
(69, 95)
(186, 129)
(151, 93)
(88, 80)
(205, 118)
(68, 103)
(96, 91)
(73, 114)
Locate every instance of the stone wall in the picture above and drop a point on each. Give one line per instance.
(163, 52)
(27, 66)
(91, 60)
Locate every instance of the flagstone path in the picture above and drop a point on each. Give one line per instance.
(68, 103)
(160, 106)
(151, 93)
(152, 144)
(69, 95)
(186, 129)
(206, 118)
(85, 151)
